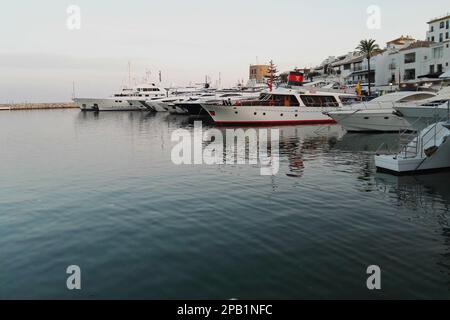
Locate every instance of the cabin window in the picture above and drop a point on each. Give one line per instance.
(319, 101)
(415, 97)
(231, 95)
(349, 100)
(149, 89)
(278, 100)
(435, 103)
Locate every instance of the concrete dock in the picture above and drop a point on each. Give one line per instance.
(37, 106)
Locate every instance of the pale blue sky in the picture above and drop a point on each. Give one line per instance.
(40, 57)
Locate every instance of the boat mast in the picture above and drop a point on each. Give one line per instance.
(73, 90)
(129, 74)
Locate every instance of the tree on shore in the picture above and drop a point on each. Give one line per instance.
(272, 74)
(368, 48)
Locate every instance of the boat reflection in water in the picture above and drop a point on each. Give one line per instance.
(297, 145)
(366, 142)
(428, 192)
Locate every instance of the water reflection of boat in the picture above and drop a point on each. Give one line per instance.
(365, 142)
(417, 190)
(299, 144)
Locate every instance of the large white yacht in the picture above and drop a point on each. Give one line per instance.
(378, 114)
(196, 106)
(168, 104)
(126, 100)
(282, 106)
(428, 111)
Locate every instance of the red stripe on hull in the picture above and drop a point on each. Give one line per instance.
(275, 123)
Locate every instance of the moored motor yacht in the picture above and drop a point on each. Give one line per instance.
(419, 115)
(378, 114)
(197, 106)
(128, 99)
(282, 106)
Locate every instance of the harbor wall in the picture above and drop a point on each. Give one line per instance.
(36, 106)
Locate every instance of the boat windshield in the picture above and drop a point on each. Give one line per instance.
(403, 97)
(435, 103)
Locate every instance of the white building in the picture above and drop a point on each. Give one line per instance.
(439, 29)
(397, 66)
(404, 62)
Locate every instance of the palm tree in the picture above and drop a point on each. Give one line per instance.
(368, 48)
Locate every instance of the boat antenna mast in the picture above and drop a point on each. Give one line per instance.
(73, 90)
(129, 74)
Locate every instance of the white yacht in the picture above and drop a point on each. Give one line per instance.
(282, 106)
(198, 105)
(126, 100)
(428, 111)
(168, 104)
(378, 114)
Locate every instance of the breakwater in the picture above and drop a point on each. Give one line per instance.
(35, 106)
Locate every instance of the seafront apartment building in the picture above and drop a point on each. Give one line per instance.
(403, 60)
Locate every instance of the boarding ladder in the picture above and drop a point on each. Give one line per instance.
(412, 144)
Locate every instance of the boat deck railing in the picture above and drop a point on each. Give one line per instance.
(416, 146)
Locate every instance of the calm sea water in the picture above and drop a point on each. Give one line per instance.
(100, 191)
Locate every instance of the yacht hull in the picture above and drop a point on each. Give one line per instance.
(158, 106)
(264, 115)
(87, 104)
(194, 109)
(421, 117)
(370, 121)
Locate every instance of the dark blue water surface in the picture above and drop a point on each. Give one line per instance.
(100, 191)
